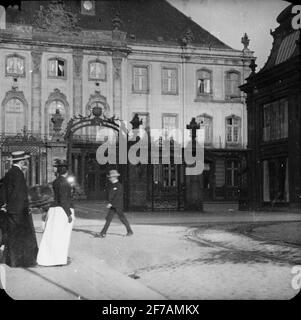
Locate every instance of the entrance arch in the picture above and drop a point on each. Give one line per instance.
(81, 152)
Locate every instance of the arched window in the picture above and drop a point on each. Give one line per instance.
(15, 65)
(206, 121)
(14, 116)
(204, 82)
(233, 129)
(232, 84)
(53, 106)
(97, 70)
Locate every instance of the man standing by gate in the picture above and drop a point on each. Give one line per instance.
(115, 204)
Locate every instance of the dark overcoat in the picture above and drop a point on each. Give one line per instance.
(62, 194)
(116, 196)
(21, 245)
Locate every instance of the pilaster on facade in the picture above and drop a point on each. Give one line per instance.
(36, 92)
(77, 81)
(117, 84)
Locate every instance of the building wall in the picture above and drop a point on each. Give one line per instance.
(23, 83)
(76, 90)
(186, 104)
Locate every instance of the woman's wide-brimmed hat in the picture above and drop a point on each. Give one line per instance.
(113, 173)
(60, 163)
(18, 155)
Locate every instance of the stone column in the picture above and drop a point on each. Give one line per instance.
(117, 86)
(77, 82)
(33, 170)
(36, 90)
(83, 161)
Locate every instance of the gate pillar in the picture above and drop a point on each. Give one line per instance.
(55, 150)
(194, 183)
(194, 193)
(137, 184)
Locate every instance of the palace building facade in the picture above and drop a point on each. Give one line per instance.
(61, 59)
(274, 122)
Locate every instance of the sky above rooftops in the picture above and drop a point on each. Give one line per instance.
(228, 20)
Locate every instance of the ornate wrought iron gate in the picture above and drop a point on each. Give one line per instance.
(81, 153)
(167, 187)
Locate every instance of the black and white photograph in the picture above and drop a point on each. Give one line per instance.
(150, 150)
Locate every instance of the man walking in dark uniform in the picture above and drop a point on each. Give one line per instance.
(115, 204)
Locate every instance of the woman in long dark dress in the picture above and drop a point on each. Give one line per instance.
(55, 242)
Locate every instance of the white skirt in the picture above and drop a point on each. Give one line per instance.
(55, 242)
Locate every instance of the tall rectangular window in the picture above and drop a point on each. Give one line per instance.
(204, 79)
(232, 83)
(233, 129)
(169, 175)
(97, 70)
(169, 81)
(275, 180)
(206, 121)
(169, 122)
(275, 120)
(15, 66)
(232, 173)
(140, 79)
(56, 68)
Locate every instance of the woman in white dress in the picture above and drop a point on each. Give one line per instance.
(55, 242)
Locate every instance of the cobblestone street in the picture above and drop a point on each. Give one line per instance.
(171, 256)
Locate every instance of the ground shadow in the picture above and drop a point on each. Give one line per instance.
(95, 233)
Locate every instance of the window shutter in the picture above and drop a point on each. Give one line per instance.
(174, 81)
(20, 66)
(136, 79)
(165, 80)
(60, 68)
(229, 133)
(207, 86)
(235, 133)
(10, 65)
(144, 79)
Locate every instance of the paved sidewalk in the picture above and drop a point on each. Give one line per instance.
(86, 278)
(158, 262)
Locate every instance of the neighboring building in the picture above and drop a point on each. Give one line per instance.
(274, 122)
(128, 57)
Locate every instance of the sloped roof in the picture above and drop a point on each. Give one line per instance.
(143, 20)
(285, 45)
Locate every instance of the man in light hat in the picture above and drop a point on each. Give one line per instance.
(115, 204)
(21, 245)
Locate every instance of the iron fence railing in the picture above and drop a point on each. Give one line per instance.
(43, 138)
